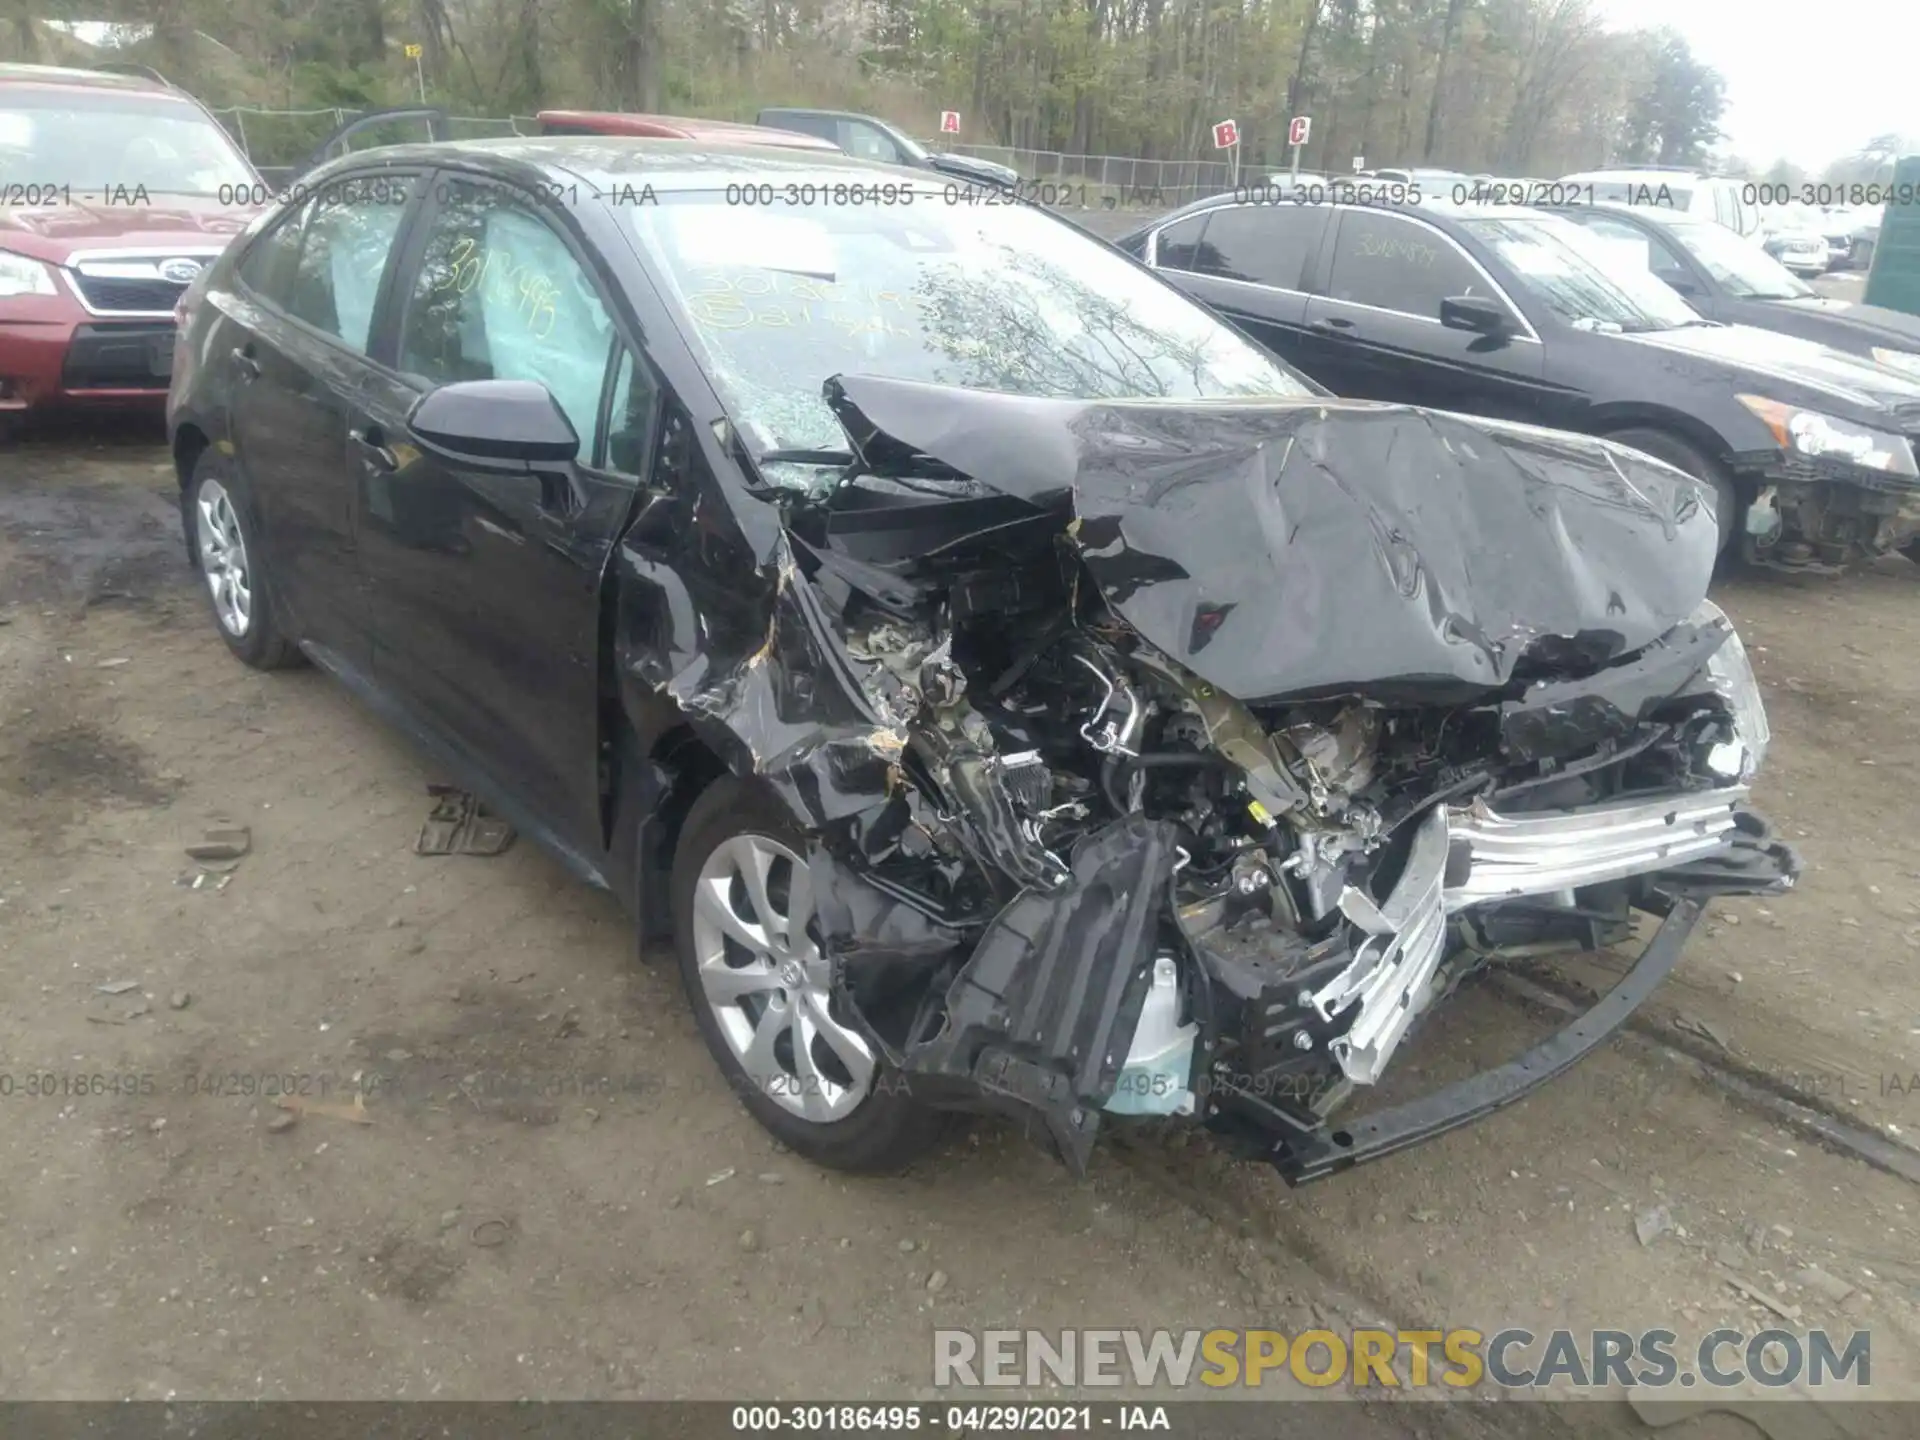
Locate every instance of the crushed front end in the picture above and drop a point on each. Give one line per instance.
(1190, 756)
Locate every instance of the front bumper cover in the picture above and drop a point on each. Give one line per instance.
(1039, 1020)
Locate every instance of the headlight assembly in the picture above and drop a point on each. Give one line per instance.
(1905, 361)
(1730, 675)
(1825, 437)
(23, 275)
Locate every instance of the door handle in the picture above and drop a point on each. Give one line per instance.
(244, 362)
(376, 454)
(1332, 325)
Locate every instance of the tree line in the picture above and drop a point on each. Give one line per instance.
(1508, 87)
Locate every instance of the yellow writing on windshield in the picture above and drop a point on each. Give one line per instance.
(764, 299)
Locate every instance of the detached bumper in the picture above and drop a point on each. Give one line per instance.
(1744, 859)
(1321, 1152)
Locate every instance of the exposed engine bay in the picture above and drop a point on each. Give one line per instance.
(1186, 772)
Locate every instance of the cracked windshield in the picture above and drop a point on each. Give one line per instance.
(991, 297)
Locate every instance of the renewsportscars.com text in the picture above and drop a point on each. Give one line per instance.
(1513, 1359)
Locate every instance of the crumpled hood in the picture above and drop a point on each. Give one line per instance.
(1293, 548)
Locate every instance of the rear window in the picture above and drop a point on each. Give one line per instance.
(69, 135)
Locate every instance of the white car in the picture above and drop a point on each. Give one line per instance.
(1796, 240)
(1712, 197)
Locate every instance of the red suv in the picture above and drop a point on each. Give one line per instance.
(115, 191)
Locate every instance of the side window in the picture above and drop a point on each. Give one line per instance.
(1723, 207)
(1179, 243)
(499, 296)
(343, 253)
(869, 143)
(1395, 264)
(818, 125)
(629, 416)
(267, 267)
(1261, 244)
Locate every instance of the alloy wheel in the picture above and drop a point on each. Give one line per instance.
(768, 985)
(223, 558)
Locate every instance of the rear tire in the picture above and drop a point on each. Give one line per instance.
(230, 561)
(1684, 456)
(765, 1009)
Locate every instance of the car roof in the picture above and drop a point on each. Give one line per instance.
(1657, 215)
(1650, 173)
(631, 161)
(678, 127)
(70, 76)
(1433, 207)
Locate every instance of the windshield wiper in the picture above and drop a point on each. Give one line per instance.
(896, 467)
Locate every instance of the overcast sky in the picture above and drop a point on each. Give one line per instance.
(1808, 82)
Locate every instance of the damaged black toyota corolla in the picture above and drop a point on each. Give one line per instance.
(1012, 690)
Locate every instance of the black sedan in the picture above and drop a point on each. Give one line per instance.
(1516, 313)
(1008, 688)
(1731, 280)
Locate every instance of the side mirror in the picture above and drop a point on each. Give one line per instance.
(1474, 312)
(515, 421)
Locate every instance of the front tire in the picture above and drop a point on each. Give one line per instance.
(230, 563)
(1683, 456)
(761, 990)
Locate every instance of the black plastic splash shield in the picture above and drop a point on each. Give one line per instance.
(1300, 547)
(1042, 1015)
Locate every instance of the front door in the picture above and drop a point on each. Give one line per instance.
(485, 583)
(1376, 333)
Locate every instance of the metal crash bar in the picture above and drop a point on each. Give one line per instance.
(1559, 850)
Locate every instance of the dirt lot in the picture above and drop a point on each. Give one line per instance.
(556, 1196)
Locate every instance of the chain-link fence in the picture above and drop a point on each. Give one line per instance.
(277, 138)
(1102, 182)
(273, 139)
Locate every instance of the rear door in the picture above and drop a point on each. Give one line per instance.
(1376, 333)
(1247, 262)
(309, 288)
(485, 584)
